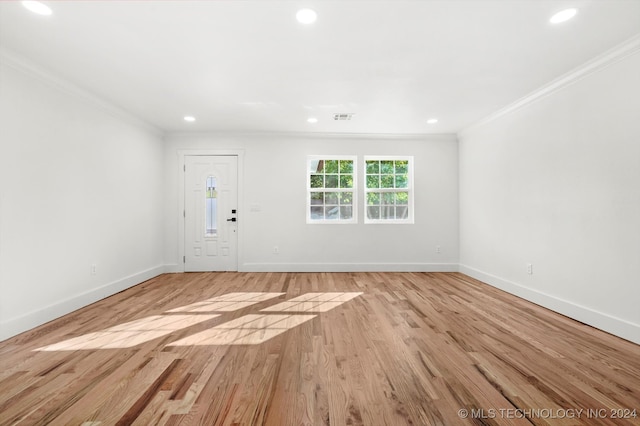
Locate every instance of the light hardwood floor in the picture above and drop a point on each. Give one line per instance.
(318, 349)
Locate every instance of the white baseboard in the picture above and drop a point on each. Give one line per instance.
(173, 268)
(17, 325)
(616, 326)
(349, 267)
(334, 267)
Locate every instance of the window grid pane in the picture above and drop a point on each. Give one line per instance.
(387, 190)
(331, 185)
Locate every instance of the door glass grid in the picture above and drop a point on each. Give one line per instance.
(211, 207)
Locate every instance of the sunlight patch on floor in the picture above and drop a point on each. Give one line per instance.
(227, 302)
(312, 302)
(247, 330)
(130, 333)
(250, 329)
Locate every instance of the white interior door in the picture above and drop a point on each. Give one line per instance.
(210, 213)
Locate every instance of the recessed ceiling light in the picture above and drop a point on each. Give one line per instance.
(189, 118)
(432, 121)
(37, 7)
(312, 120)
(563, 15)
(306, 16)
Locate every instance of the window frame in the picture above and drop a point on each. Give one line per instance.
(353, 189)
(409, 189)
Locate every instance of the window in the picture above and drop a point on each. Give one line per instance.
(389, 190)
(331, 189)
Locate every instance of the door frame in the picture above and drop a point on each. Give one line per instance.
(181, 198)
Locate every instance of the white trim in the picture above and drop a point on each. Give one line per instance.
(181, 154)
(627, 48)
(173, 268)
(616, 326)
(429, 137)
(17, 325)
(25, 66)
(349, 267)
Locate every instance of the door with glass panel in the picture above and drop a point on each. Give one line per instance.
(210, 213)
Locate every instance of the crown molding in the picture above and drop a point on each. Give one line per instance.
(25, 66)
(616, 54)
(427, 137)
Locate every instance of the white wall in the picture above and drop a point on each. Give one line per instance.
(274, 178)
(557, 184)
(78, 186)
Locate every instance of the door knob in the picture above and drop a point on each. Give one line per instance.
(233, 219)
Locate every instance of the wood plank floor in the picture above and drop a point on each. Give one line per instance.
(317, 349)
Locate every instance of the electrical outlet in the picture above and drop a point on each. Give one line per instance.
(529, 269)
(94, 269)
(438, 249)
(276, 250)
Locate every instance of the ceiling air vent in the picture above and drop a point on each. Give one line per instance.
(343, 116)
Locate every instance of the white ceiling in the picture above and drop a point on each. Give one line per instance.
(249, 66)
